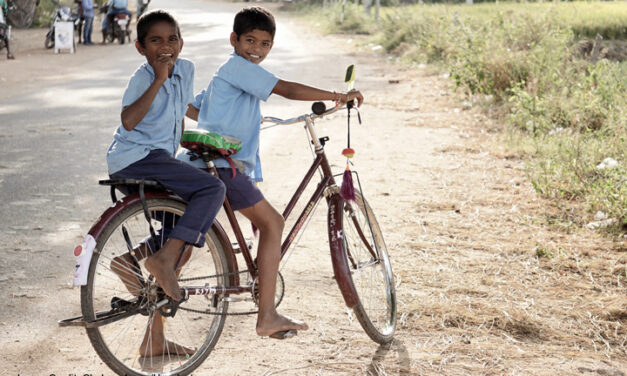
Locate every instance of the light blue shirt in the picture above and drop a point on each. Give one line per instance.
(120, 4)
(231, 106)
(88, 8)
(161, 127)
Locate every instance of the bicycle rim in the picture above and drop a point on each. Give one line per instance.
(370, 270)
(118, 344)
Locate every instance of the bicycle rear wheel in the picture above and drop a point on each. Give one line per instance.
(125, 344)
(363, 270)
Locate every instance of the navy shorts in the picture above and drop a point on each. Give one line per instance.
(203, 192)
(240, 190)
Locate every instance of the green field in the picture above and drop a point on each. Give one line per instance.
(564, 107)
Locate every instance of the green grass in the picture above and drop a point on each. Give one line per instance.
(46, 8)
(567, 113)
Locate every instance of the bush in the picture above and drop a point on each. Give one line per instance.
(572, 111)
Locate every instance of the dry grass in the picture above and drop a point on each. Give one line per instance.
(489, 282)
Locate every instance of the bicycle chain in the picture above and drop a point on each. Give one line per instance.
(215, 313)
(211, 276)
(218, 314)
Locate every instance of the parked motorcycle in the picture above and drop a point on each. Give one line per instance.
(119, 26)
(62, 14)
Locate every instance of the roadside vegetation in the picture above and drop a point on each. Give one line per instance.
(45, 12)
(554, 73)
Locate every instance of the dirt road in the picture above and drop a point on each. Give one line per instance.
(489, 283)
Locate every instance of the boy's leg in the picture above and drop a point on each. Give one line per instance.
(204, 194)
(124, 267)
(155, 343)
(270, 224)
(245, 197)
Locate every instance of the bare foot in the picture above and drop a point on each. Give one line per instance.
(278, 323)
(10, 56)
(125, 270)
(167, 348)
(163, 269)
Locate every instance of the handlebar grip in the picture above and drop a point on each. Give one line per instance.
(350, 104)
(318, 108)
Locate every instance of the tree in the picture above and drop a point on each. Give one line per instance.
(22, 12)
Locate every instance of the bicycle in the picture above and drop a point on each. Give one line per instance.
(210, 278)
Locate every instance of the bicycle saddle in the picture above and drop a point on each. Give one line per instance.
(201, 141)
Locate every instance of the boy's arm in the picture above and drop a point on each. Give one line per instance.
(192, 112)
(294, 90)
(133, 114)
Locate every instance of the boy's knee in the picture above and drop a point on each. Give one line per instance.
(279, 222)
(214, 187)
(272, 223)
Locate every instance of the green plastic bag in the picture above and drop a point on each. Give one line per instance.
(199, 140)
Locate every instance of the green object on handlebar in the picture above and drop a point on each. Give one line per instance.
(350, 76)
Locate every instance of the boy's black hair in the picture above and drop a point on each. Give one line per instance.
(146, 21)
(251, 18)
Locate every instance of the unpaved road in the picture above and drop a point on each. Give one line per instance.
(462, 223)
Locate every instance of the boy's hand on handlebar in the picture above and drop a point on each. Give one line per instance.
(343, 98)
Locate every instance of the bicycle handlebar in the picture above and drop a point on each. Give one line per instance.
(301, 118)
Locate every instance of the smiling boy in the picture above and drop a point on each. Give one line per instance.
(153, 111)
(231, 106)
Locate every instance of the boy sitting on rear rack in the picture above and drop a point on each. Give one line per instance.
(153, 110)
(230, 106)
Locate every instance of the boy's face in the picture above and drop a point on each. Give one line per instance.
(162, 45)
(253, 46)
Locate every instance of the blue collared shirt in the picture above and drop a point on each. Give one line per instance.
(231, 106)
(161, 127)
(88, 8)
(120, 4)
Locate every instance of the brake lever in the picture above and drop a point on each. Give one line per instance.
(350, 105)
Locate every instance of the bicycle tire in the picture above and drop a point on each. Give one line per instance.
(121, 35)
(118, 343)
(365, 277)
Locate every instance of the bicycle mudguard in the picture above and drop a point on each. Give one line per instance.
(340, 264)
(114, 210)
(97, 228)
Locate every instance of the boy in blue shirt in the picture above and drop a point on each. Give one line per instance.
(153, 111)
(230, 106)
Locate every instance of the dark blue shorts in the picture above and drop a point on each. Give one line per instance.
(240, 190)
(203, 192)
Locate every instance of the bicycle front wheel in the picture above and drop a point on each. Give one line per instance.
(362, 266)
(143, 341)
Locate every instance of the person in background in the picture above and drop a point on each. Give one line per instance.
(88, 14)
(3, 27)
(116, 7)
(141, 8)
(81, 22)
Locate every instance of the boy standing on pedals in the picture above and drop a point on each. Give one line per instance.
(153, 111)
(230, 106)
